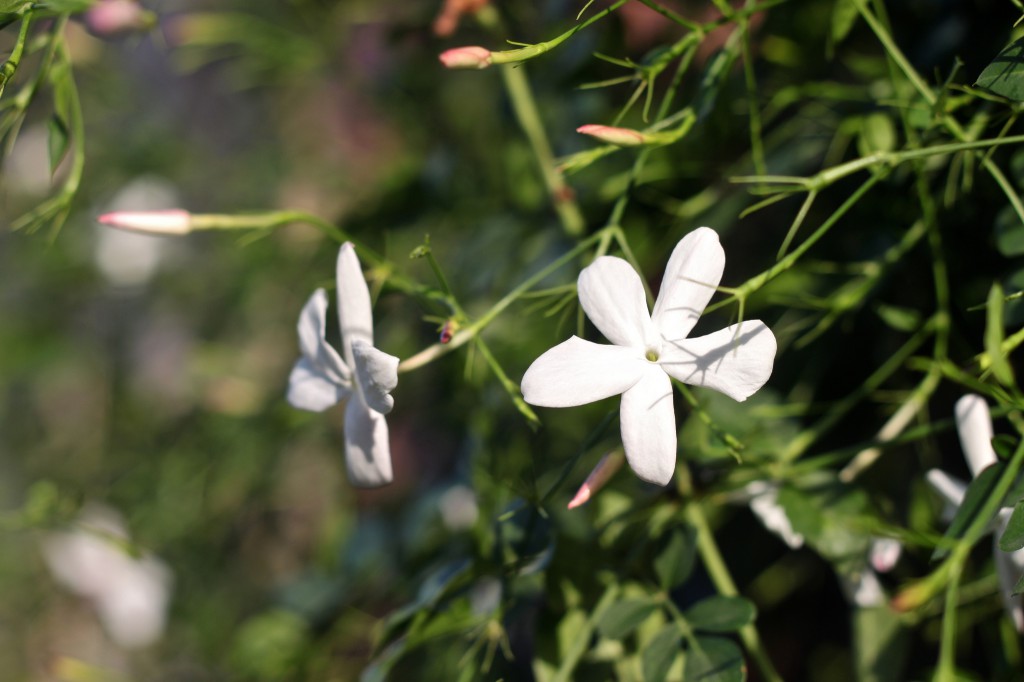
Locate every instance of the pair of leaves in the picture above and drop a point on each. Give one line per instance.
(708, 659)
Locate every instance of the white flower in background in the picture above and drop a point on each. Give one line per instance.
(130, 593)
(649, 349)
(974, 426)
(763, 498)
(366, 376)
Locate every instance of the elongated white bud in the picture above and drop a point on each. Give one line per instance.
(174, 221)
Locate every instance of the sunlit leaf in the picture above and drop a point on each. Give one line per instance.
(844, 15)
(660, 653)
(720, 614)
(1005, 75)
(877, 134)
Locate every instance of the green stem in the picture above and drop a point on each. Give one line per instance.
(10, 66)
(720, 576)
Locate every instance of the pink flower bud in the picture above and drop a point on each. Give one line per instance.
(111, 17)
(623, 137)
(473, 57)
(601, 474)
(174, 221)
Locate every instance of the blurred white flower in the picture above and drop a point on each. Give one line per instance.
(113, 17)
(649, 349)
(130, 594)
(974, 426)
(321, 378)
(763, 498)
(459, 509)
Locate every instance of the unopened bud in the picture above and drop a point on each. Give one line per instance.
(473, 57)
(601, 474)
(174, 221)
(113, 17)
(623, 137)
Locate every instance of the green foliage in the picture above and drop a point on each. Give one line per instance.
(1005, 75)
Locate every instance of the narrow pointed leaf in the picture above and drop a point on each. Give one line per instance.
(994, 336)
(978, 492)
(720, 614)
(660, 653)
(57, 142)
(1013, 537)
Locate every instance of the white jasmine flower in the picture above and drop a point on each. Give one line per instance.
(974, 426)
(365, 377)
(649, 349)
(130, 593)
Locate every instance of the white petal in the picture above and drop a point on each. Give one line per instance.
(1009, 566)
(576, 372)
(884, 553)
(312, 329)
(134, 611)
(765, 505)
(354, 313)
(367, 451)
(648, 424)
(949, 488)
(863, 588)
(736, 360)
(693, 271)
(377, 374)
(974, 425)
(309, 389)
(612, 295)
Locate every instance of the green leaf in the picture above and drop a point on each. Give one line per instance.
(844, 16)
(57, 142)
(715, 75)
(12, 6)
(1004, 444)
(900, 319)
(1019, 587)
(877, 134)
(675, 563)
(660, 653)
(623, 617)
(978, 492)
(994, 336)
(1009, 233)
(1005, 75)
(1013, 537)
(880, 646)
(720, 614)
(714, 659)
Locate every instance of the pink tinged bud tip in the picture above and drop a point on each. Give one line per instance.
(473, 57)
(623, 137)
(113, 17)
(174, 221)
(601, 474)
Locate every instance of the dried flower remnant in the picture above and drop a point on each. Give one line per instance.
(974, 426)
(130, 593)
(649, 349)
(362, 375)
(471, 57)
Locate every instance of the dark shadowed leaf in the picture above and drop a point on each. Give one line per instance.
(720, 614)
(660, 653)
(714, 659)
(978, 492)
(675, 563)
(1013, 537)
(623, 617)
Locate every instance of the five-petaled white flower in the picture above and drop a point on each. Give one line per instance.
(974, 426)
(650, 348)
(366, 376)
